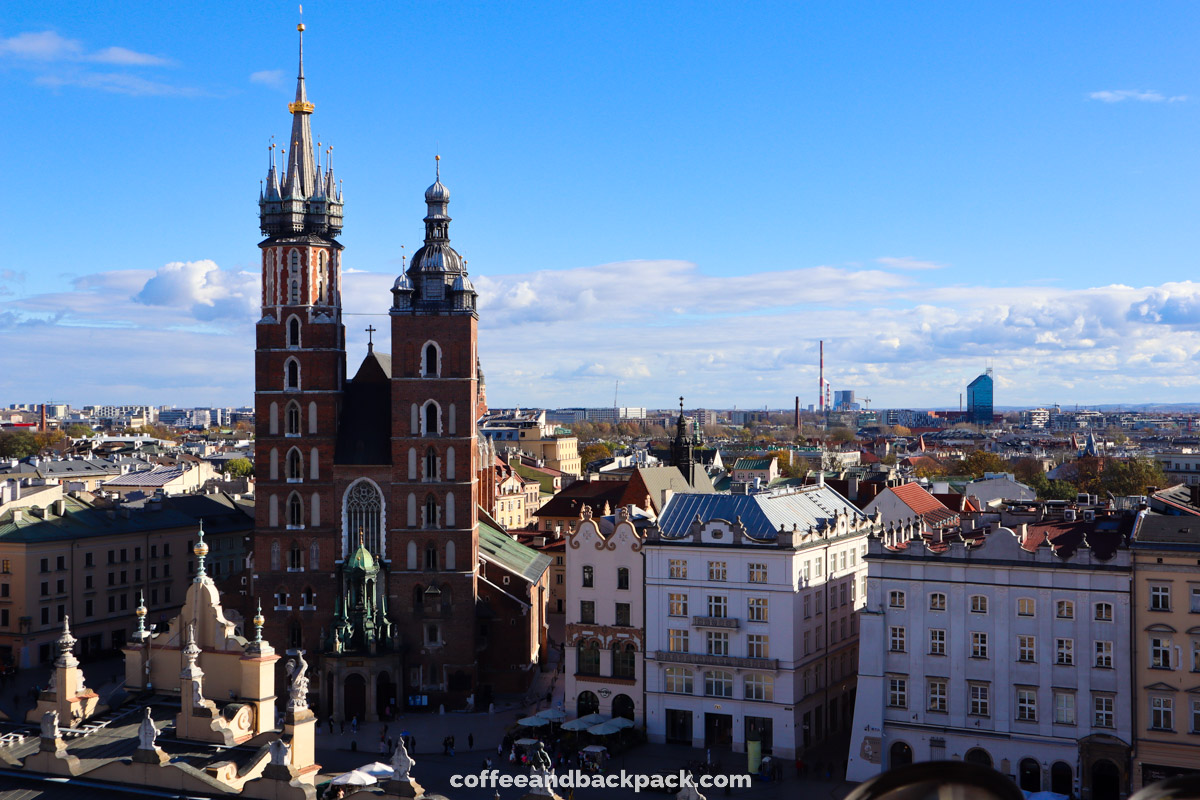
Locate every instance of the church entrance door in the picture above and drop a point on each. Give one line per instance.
(354, 699)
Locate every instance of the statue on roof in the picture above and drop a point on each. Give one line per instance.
(541, 772)
(279, 752)
(147, 732)
(297, 682)
(402, 762)
(50, 725)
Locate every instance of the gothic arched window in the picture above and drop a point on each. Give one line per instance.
(276, 555)
(364, 511)
(295, 558)
(293, 332)
(295, 511)
(294, 278)
(431, 464)
(431, 418)
(293, 374)
(292, 419)
(431, 519)
(431, 556)
(295, 465)
(314, 556)
(322, 280)
(431, 360)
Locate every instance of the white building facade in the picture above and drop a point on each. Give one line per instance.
(1005, 648)
(605, 620)
(753, 633)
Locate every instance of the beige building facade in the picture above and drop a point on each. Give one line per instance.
(1166, 647)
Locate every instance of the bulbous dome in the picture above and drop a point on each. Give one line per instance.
(403, 283)
(437, 193)
(462, 283)
(436, 257)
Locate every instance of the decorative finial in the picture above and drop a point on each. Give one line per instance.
(437, 167)
(200, 550)
(680, 404)
(140, 634)
(300, 27)
(360, 538)
(370, 329)
(258, 623)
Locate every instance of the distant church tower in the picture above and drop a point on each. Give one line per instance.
(300, 367)
(682, 447)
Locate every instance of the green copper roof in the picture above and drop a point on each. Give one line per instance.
(511, 554)
(362, 559)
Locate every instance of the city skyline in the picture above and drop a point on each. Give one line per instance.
(919, 250)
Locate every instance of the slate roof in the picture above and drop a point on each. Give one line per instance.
(501, 549)
(660, 479)
(83, 520)
(1169, 530)
(762, 514)
(365, 425)
(159, 476)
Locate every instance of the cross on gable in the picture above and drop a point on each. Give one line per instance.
(370, 329)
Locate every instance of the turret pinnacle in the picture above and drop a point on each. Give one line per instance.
(302, 170)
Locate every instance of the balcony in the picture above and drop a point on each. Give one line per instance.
(703, 659)
(715, 622)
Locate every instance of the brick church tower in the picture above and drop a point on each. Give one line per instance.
(435, 393)
(300, 367)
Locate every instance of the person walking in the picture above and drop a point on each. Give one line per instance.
(342, 727)
(354, 724)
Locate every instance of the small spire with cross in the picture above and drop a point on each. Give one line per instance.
(370, 329)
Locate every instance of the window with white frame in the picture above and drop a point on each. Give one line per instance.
(1160, 653)
(758, 573)
(1104, 612)
(1027, 649)
(1064, 609)
(1160, 597)
(979, 644)
(1195, 717)
(759, 686)
(1104, 654)
(1064, 708)
(756, 609)
(1195, 604)
(717, 643)
(937, 641)
(677, 640)
(896, 637)
(979, 604)
(980, 697)
(1027, 705)
(718, 683)
(718, 605)
(898, 692)
(677, 569)
(758, 645)
(807, 606)
(678, 680)
(937, 695)
(1026, 607)
(937, 601)
(896, 599)
(716, 570)
(1064, 652)
(677, 604)
(1102, 711)
(1162, 713)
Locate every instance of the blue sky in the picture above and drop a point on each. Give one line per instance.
(684, 197)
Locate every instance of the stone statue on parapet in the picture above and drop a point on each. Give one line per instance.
(689, 790)
(297, 682)
(402, 762)
(541, 772)
(279, 752)
(147, 732)
(50, 725)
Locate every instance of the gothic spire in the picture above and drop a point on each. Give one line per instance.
(301, 169)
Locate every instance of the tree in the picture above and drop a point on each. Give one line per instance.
(594, 452)
(240, 467)
(19, 444)
(978, 462)
(1027, 470)
(841, 436)
(900, 430)
(1132, 476)
(79, 430)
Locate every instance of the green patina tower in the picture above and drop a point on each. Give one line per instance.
(361, 623)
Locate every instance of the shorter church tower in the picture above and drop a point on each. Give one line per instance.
(682, 448)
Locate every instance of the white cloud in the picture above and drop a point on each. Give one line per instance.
(662, 328)
(117, 83)
(907, 262)
(268, 77)
(58, 62)
(49, 46)
(1121, 95)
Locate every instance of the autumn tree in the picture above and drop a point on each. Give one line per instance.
(240, 467)
(978, 462)
(594, 452)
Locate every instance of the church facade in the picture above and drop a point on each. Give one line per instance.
(367, 534)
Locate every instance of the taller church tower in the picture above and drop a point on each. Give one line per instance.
(300, 367)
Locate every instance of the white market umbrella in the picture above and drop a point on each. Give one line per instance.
(378, 769)
(533, 722)
(576, 725)
(621, 722)
(552, 714)
(604, 729)
(354, 777)
(594, 719)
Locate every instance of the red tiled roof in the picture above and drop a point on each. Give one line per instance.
(915, 497)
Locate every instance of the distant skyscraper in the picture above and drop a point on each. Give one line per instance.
(979, 399)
